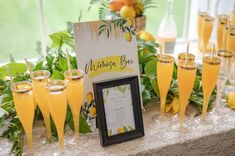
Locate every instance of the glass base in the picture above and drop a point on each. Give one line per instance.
(74, 140)
(161, 121)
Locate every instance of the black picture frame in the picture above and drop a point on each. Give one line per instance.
(106, 140)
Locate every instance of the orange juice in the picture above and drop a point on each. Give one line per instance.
(222, 21)
(24, 104)
(57, 104)
(210, 71)
(225, 37)
(186, 77)
(232, 17)
(201, 15)
(207, 26)
(75, 94)
(165, 65)
(231, 40)
(39, 80)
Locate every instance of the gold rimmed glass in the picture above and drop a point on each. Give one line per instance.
(201, 15)
(232, 17)
(57, 104)
(210, 71)
(39, 80)
(231, 47)
(24, 105)
(207, 27)
(221, 23)
(74, 80)
(226, 58)
(225, 36)
(182, 58)
(186, 78)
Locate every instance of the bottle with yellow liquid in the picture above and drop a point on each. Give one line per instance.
(165, 66)
(167, 32)
(57, 104)
(210, 71)
(24, 104)
(74, 80)
(39, 80)
(221, 23)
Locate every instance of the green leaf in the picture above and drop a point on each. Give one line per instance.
(57, 75)
(150, 68)
(155, 86)
(83, 125)
(15, 68)
(63, 64)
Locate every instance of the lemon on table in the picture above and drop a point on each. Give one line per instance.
(92, 112)
(89, 98)
(168, 108)
(175, 105)
(231, 101)
(146, 36)
(127, 12)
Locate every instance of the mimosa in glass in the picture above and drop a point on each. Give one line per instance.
(165, 64)
(201, 15)
(186, 78)
(24, 104)
(39, 80)
(57, 104)
(207, 27)
(74, 79)
(182, 58)
(210, 71)
(221, 23)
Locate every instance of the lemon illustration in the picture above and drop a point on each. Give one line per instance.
(127, 36)
(146, 36)
(116, 5)
(127, 12)
(129, 21)
(89, 97)
(120, 130)
(92, 112)
(231, 101)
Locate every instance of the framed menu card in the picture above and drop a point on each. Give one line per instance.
(119, 110)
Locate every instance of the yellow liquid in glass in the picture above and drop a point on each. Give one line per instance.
(164, 77)
(225, 37)
(207, 26)
(41, 99)
(75, 96)
(201, 15)
(220, 32)
(186, 78)
(210, 71)
(232, 17)
(24, 104)
(231, 42)
(57, 103)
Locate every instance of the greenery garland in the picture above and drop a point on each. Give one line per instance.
(55, 62)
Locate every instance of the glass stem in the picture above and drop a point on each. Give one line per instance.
(162, 107)
(76, 124)
(29, 140)
(182, 114)
(48, 127)
(204, 108)
(61, 138)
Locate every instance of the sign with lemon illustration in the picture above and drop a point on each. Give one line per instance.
(104, 51)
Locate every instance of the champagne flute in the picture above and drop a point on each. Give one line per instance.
(24, 105)
(222, 21)
(226, 58)
(186, 78)
(207, 26)
(57, 104)
(201, 15)
(210, 71)
(39, 80)
(165, 64)
(74, 79)
(225, 36)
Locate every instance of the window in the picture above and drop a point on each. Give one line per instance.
(20, 28)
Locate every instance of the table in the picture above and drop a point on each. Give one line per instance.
(216, 139)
